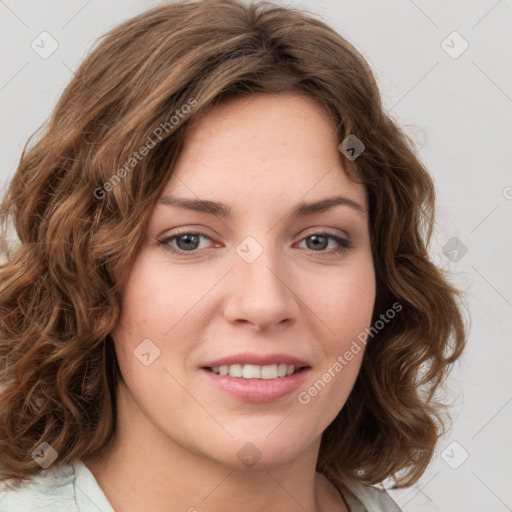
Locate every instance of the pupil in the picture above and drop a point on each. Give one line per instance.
(188, 238)
(315, 239)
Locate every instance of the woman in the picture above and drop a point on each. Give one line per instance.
(222, 296)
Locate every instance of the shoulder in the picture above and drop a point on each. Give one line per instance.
(365, 498)
(43, 491)
(65, 488)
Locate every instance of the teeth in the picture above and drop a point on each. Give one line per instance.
(251, 371)
(254, 371)
(269, 372)
(235, 370)
(281, 369)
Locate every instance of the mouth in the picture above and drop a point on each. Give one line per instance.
(257, 378)
(254, 371)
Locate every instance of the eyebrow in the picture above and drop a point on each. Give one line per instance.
(222, 210)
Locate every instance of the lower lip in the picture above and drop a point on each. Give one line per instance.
(258, 390)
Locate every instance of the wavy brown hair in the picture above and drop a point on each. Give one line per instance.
(79, 230)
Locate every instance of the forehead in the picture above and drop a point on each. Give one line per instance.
(264, 148)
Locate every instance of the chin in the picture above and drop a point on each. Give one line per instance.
(259, 452)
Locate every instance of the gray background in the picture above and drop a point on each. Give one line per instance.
(457, 107)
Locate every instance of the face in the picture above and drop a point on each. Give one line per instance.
(247, 295)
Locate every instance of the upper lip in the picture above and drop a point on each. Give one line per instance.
(257, 359)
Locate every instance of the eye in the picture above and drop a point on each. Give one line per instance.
(185, 242)
(190, 242)
(318, 242)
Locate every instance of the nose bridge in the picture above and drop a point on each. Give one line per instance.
(259, 293)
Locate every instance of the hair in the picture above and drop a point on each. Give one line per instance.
(79, 225)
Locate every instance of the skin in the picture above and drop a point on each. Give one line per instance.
(178, 436)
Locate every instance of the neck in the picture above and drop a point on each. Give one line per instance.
(147, 470)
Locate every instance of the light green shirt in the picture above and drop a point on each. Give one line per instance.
(73, 488)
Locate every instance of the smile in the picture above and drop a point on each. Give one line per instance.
(254, 371)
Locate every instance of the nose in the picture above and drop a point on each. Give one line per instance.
(260, 294)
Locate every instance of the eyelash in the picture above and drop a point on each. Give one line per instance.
(343, 247)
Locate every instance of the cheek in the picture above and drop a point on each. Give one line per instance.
(344, 301)
(157, 297)
(352, 312)
(352, 306)
(345, 306)
(145, 314)
(164, 305)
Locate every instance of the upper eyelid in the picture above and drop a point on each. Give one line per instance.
(316, 231)
(202, 230)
